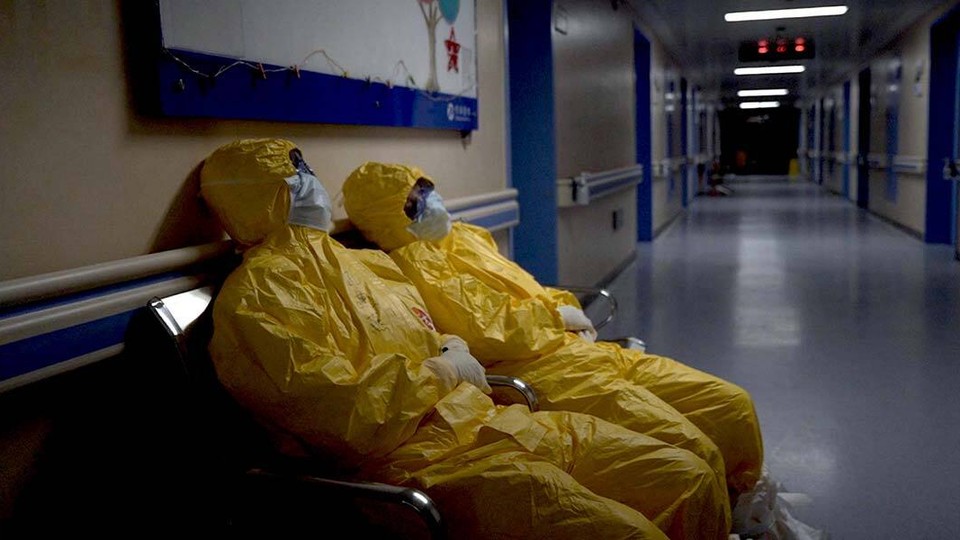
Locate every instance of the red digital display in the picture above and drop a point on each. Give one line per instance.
(780, 48)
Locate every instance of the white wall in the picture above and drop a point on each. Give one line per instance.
(833, 111)
(595, 131)
(912, 52)
(667, 203)
(86, 180)
(854, 140)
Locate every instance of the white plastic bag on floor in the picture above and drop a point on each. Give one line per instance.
(764, 514)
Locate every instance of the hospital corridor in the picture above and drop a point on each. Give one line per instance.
(842, 328)
(480, 269)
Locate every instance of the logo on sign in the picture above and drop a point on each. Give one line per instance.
(459, 113)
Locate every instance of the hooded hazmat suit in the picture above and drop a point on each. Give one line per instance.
(331, 349)
(513, 326)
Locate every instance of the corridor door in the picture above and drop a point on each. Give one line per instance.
(943, 136)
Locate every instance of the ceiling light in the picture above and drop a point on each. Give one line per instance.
(769, 70)
(760, 105)
(762, 93)
(796, 13)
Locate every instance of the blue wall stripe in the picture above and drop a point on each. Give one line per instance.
(313, 97)
(45, 350)
(892, 132)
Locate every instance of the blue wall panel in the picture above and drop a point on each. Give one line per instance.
(532, 144)
(940, 220)
(641, 62)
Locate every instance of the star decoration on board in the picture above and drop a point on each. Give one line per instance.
(453, 52)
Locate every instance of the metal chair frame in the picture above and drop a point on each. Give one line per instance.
(178, 316)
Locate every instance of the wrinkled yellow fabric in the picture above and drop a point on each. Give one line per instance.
(259, 168)
(326, 346)
(512, 326)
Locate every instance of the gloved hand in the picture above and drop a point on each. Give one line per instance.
(455, 365)
(575, 320)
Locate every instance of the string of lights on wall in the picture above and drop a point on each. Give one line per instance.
(400, 70)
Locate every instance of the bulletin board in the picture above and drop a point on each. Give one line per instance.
(407, 63)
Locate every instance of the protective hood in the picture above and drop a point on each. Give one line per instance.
(256, 186)
(374, 195)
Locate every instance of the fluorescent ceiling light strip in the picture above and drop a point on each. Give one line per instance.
(796, 13)
(769, 70)
(763, 92)
(760, 105)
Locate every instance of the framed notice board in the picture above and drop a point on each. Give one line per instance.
(408, 63)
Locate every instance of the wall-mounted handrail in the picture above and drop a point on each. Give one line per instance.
(29, 289)
(57, 322)
(910, 164)
(476, 201)
(877, 161)
(495, 211)
(589, 186)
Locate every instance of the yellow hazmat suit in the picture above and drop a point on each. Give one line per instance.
(331, 347)
(513, 326)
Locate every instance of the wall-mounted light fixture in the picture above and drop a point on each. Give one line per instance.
(795, 13)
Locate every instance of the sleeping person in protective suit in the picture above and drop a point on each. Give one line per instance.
(515, 326)
(334, 351)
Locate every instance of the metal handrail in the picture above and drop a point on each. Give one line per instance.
(599, 292)
(520, 386)
(412, 498)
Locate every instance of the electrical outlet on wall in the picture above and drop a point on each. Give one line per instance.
(617, 218)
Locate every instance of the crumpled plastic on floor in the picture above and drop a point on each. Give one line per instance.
(765, 513)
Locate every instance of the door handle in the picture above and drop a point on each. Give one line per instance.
(950, 169)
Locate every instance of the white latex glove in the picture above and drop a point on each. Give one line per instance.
(455, 354)
(575, 320)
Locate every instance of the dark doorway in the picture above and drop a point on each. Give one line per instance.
(761, 141)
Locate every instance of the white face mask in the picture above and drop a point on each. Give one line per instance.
(434, 222)
(310, 204)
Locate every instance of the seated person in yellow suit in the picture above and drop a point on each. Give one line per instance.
(332, 349)
(515, 326)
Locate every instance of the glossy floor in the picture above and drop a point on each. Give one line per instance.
(845, 329)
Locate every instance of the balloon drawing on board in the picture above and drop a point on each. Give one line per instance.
(432, 11)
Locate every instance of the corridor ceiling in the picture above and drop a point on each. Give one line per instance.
(707, 47)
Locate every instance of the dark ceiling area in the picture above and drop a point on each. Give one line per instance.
(706, 46)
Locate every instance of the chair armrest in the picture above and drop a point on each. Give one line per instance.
(629, 342)
(595, 292)
(524, 389)
(412, 498)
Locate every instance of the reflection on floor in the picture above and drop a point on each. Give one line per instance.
(845, 330)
